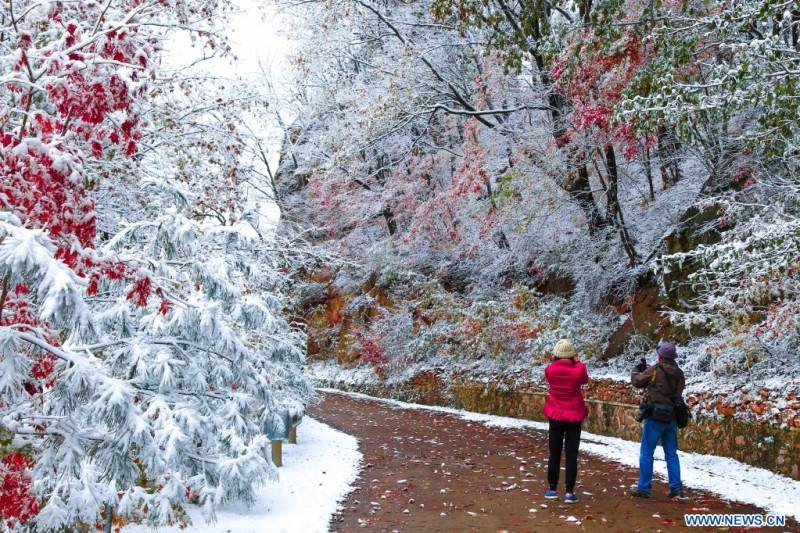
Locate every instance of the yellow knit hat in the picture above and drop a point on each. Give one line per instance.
(564, 349)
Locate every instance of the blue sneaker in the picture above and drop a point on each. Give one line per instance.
(551, 495)
(570, 498)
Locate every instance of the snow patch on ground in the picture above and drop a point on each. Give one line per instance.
(316, 475)
(330, 371)
(726, 477)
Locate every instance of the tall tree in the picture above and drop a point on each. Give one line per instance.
(142, 345)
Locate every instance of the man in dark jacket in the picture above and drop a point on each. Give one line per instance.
(663, 384)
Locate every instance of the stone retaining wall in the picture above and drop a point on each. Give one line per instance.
(612, 406)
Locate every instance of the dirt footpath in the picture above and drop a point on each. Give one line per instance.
(428, 471)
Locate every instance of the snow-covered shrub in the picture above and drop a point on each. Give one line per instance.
(437, 327)
(746, 287)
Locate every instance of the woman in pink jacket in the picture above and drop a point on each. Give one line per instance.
(565, 409)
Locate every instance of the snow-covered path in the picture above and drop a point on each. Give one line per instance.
(438, 469)
(316, 476)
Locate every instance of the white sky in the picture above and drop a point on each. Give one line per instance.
(256, 40)
(258, 43)
(254, 33)
(255, 37)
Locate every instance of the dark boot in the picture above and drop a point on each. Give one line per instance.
(678, 494)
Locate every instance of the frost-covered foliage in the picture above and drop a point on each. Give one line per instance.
(722, 74)
(143, 347)
(411, 139)
(436, 327)
(566, 146)
(747, 285)
(738, 105)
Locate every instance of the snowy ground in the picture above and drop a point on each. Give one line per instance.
(726, 477)
(317, 474)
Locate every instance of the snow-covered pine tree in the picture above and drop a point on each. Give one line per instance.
(142, 347)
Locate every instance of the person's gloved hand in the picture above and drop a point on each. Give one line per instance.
(642, 366)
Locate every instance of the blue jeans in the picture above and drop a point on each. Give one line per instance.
(667, 433)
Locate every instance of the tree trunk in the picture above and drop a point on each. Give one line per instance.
(579, 188)
(109, 521)
(391, 223)
(668, 148)
(648, 171)
(3, 295)
(502, 240)
(614, 207)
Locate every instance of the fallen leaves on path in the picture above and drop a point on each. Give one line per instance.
(435, 472)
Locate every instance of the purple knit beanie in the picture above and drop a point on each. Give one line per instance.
(666, 350)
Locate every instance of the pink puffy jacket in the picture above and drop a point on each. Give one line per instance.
(565, 400)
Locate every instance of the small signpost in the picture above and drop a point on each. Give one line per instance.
(287, 432)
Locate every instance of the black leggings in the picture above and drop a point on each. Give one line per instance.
(563, 435)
